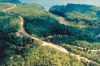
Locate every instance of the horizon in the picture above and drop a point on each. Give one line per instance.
(49, 3)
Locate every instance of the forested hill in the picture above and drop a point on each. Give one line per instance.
(88, 14)
(13, 50)
(18, 48)
(62, 9)
(12, 1)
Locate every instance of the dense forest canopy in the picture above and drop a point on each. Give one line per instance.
(3, 6)
(20, 50)
(78, 13)
(40, 23)
(82, 14)
(13, 51)
(9, 41)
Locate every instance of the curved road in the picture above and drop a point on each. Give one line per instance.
(9, 8)
(46, 43)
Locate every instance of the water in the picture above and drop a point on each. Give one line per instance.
(49, 3)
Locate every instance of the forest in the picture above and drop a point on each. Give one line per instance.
(20, 50)
(81, 40)
(40, 23)
(79, 13)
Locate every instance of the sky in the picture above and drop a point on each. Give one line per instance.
(62, 2)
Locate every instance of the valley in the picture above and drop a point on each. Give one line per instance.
(60, 24)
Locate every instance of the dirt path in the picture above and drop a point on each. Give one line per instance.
(51, 44)
(85, 48)
(23, 31)
(46, 43)
(9, 8)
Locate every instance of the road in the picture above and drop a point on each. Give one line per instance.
(9, 8)
(47, 43)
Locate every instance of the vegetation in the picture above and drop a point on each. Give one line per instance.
(84, 52)
(10, 43)
(78, 40)
(8, 24)
(78, 13)
(87, 63)
(38, 55)
(3, 6)
(40, 23)
(82, 48)
(19, 50)
(44, 56)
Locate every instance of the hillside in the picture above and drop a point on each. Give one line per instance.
(79, 13)
(82, 23)
(83, 18)
(24, 39)
(18, 49)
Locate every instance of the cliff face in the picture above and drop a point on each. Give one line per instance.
(12, 1)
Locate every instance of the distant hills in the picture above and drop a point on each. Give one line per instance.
(63, 9)
(12, 1)
(79, 13)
